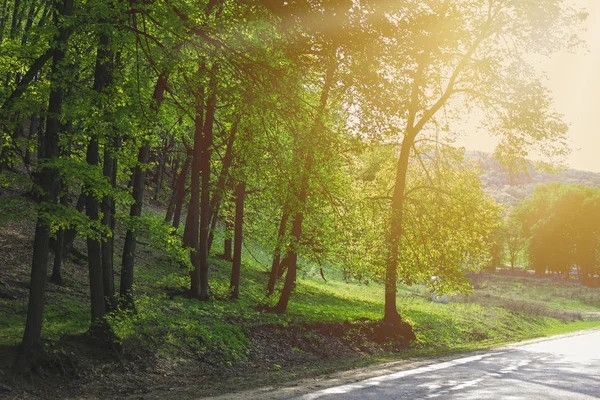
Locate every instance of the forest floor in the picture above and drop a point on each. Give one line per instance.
(176, 347)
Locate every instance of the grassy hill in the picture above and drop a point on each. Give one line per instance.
(203, 348)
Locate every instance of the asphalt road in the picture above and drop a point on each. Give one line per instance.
(562, 368)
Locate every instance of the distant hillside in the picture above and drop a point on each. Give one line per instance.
(496, 180)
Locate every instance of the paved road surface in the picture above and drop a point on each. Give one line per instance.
(564, 368)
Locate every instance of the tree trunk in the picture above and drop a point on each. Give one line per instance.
(221, 181)
(240, 194)
(180, 193)
(282, 267)
(306, 157)
(31, 73)
(108, 245)
(59, 246)
(173, 187)
(30, 349)
(56, 276)
(94, 250)
(71, 233)
(105, 274)
(227, 245)
(207, 144)
(159, 176)
(190, 234)
(277, 254)
(99, 260)
(292, 257)
(139, 184)
(391, 315)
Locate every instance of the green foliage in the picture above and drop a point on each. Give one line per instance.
(170, 327)
(319, 113)
(447, 219)
(561, 224)
(162, 235)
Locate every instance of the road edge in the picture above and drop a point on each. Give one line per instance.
(309, 385)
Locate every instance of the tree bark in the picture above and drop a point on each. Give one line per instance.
(99, 260)
(94, 249)
(215, 203)
(180, 193)
(30, 348)
(240, 194)
(173, 187)
(59, 245)
(190, 234)
(71, 233)
(228, 242)
(139, 184)
(56, 276)
(274, 275)
(207, 144)
(306, 157)
(391, 315)
(108, 219)
(292, 256)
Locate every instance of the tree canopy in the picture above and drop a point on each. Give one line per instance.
(320, 129)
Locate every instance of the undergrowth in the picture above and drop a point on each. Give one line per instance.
(174, 326)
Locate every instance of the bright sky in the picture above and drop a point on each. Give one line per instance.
(574, 79)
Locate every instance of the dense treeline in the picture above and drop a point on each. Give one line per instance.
(321, 129)
(557, 229)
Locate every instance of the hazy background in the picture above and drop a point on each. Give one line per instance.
(574, 77)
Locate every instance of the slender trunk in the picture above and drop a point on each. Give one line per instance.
(171, 206)
(306, 158)
(277, 254)
(94, 249)
(33, 127)
(180, 193)
(29, 23)
(190, 235)
(71, 233)
(59, 245)
(282, 267)
(159, 176)
(99, 262)
(16, 19)
(391, 315)
(101, 254)
(139, 183)
(207, 144)
(26, 80)
(5, 109)
(221, 181)
(292, 256)
(4, 14)
(173, 187)
(227, 245)
(240, 194)
(56, 276)
(108, 219)
(31, 348)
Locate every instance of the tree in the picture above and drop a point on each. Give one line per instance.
(31, 347)
(453, 58)
(561, 221)
(514, 239)
(449, 219)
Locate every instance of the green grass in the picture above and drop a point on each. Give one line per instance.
(502, 309)
(557, 295)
